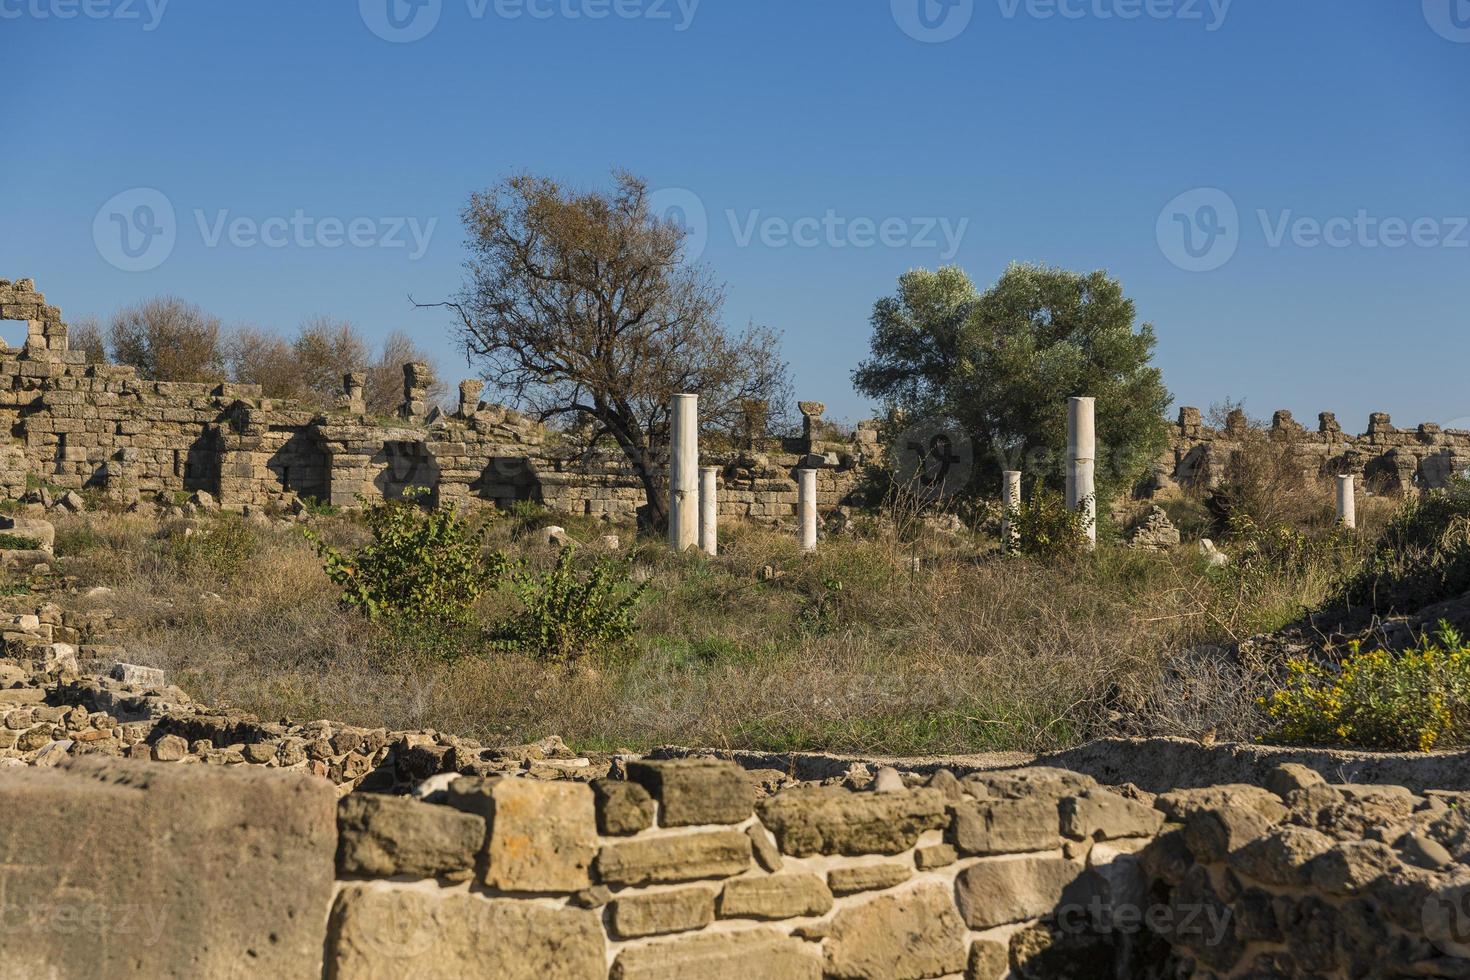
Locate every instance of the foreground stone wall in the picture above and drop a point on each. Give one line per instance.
(143, 834)
(77, 425)
(686, 869)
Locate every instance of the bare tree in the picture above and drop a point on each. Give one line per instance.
(85, 335)
(581, 306)
(383, 390)
(263, 357)
(325, 349)
(167, 339)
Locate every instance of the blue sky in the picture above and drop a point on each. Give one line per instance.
(315, 158)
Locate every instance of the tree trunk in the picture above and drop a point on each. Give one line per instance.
(653, 516)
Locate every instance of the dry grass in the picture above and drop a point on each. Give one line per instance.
(849, 650)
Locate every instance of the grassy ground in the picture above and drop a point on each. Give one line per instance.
(851, 649)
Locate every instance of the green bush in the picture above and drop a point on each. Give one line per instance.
(1411, 701)
(565, 615)
(18, 542)
(1046, 529)
(420, 563)
(1423, 556)
(218, 549)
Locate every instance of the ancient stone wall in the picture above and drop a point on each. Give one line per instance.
(1387, 459)
(77, 425)
(142, 834)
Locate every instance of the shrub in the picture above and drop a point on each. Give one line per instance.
(1047, 529)
(1415, 700)
(1422, 557)
(219, 549)
(420, 563)
(566, 615)
(18, 542)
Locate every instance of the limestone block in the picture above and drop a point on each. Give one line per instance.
(382, 932)
(775, 897)
(1004, 826)
(905, 936)
(1013, 889)
(832, 820)
(384, 836)
(623, 808)
(1100, 815)
(691, 792)
(674, 858)
(542, 835)
(867, 877)
(218, 869)
(763, 953)
(661, 913)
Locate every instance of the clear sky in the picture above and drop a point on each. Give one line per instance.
(1280, 184)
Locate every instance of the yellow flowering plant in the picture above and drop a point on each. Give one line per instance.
(1414, 700)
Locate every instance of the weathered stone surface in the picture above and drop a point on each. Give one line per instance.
(216, 869)
(674, 858)
(935, 856)
(767, 854)
(1004, 826)
(755, 953)
(908, 935)
(1280, 857)
(660, 913)
(380, 932)
(623, 808)
(543, 835)
(691, 792)
(867, 877)
(144, 677)
(1029, 782)
(1349, 868)
(1100, 815)
(1291, 776)
(1013, 889)
(1212, 834)
(830, 820)
(1180, 805)
(775, 897)
(384, 836)
(989, 960)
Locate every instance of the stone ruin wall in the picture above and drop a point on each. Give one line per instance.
(143, 834)
(1385, 459)
(77, 425)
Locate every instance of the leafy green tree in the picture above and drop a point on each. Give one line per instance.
(1002, 364)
